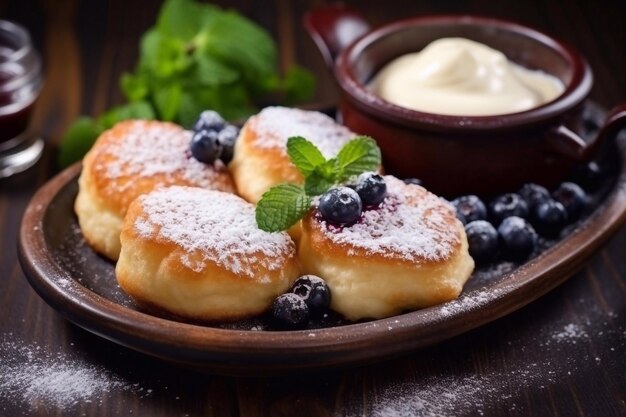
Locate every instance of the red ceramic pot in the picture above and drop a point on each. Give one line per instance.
(456, 155)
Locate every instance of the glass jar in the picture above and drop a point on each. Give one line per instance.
(20, 83)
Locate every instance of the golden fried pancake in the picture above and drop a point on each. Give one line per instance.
(133, 158)
(199, 254)
(260, 158)
(408, 253)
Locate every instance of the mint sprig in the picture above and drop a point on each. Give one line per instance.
(197, 56)
(283, 205)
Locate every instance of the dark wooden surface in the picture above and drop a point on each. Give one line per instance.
(563, 355)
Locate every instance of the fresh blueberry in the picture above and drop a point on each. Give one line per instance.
(209, 120)
(228, 137)
(290, 311)
(205, 146)
(483, 240)
(340, 205)
(573, 198)
(508, 205)
(589, 176)
(533, 194)
(517, 237)
(314, 291)
(414, 181)
(469, 208)
(371, 188)
(549, 217)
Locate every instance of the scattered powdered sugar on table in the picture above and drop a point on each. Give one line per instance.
(411, 224)
(570, 334)
(36, 377)
(274, 125)
(212, 226)
(461, 395)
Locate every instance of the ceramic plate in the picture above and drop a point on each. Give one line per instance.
(81, 285)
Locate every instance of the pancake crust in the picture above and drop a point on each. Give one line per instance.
(410, 252)
(260, 159)
(131, 159)
(199, 254)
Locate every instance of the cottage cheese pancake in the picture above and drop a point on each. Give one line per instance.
(133, 158)
(261, 159)
(199, 254)
(410, 252)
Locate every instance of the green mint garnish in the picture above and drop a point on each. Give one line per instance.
(197, 56)
(357, 156)
(283, 205)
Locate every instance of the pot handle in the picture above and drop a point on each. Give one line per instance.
(569, 144)
(332, 28)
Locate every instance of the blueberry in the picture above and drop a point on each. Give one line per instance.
(573, 198)
(507, 205)
(371, 188)
(228, 137)
(290, 311)
(340, 205)
(549, 217)
(533, 194)
(469, 208)
(483, 240)
(415, 181)
(205, 146)
(209, 120)
(314, 291)
(589, 176)
(517, 237)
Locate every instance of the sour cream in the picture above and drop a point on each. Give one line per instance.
(457, 76)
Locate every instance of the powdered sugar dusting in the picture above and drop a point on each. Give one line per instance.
(215, 227)
(149, 149)
(274, 125)
(32, 375)
(411, 224)
(570, 333)
(470, 301)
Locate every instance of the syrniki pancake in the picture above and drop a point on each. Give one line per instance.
(133, 158)
(199, 254)
(408, 253)
(261, 159)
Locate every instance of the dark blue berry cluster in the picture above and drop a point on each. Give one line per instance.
(213, 138)
(309, 297)
(343, 205)
(511, 224)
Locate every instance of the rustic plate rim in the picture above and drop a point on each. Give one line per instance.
(247, 352)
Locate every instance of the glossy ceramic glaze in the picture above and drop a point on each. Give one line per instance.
(456, 155)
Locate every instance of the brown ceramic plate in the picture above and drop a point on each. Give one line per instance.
(81, 286)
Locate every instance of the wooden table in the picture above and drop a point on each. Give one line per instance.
(562, 355)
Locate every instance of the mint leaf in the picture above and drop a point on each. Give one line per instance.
(210, 71)
(304, 154)
(168, 100)
(240, 43)
(359, 155)
(134, 86)
(79, 138)
(281, 207)
(316, 184)
(163, 56)
(298, 84)
(184, 18)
